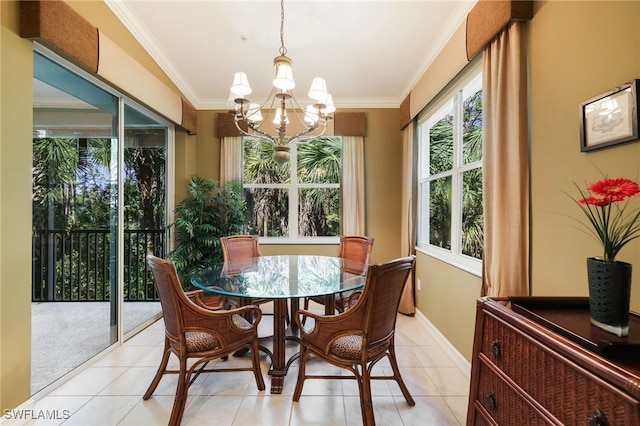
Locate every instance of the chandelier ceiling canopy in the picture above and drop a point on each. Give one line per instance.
(281, 106)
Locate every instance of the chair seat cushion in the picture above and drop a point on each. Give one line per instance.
(200, 341)
(350, 347)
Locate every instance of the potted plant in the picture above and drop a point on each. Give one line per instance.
(605, 203)
(209, 213)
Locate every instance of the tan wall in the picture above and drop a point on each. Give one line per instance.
(383, 164)
(16, 75)
(578, 50)
(16, 83)
(448, 298)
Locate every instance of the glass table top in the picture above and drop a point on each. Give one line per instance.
(287, 276)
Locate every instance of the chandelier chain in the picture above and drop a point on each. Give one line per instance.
(283, 50)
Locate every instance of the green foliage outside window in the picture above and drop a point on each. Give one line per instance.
(268, 187)
(441, 160)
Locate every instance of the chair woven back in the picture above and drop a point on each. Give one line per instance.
(172, 297)
(359, 337)
(381, 297)
(197, 335)
(236, 247)
(355, 247)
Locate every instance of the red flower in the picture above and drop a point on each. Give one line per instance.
(594, 201)
(615, 189)
(610, 221)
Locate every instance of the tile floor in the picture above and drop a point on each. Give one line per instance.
(109, 392)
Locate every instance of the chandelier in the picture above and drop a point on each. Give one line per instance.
(281, 106)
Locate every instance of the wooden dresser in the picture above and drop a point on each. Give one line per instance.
(537, 361)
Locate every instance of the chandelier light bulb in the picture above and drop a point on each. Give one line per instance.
(254, 115)
(240, 86)
(280, 117)
(318, 91)
(329, 106)
(311, 115)
(284, 73)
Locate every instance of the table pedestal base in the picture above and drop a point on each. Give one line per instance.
(281, 333)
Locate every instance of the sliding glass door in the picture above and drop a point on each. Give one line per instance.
(144, 210)
(99, 206)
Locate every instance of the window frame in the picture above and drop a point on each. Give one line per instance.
(434, 111)
(293, 187)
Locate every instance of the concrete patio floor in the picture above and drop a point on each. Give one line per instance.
(64, 335)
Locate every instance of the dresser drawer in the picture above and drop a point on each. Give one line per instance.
(503, 403)
(567, 391)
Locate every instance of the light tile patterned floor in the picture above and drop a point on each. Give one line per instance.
(109, 392)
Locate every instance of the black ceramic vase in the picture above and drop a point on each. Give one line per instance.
(609, 295)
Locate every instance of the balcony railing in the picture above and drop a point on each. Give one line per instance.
(77, 266)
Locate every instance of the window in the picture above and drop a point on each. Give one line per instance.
(450, 176)
(298, 201)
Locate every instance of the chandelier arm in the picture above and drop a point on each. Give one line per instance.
(263, 135)
(255, 129)
(293, 139)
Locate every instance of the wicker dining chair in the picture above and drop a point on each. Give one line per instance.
(238, 247)
(196, 336)
(360, 336)
(352, 247)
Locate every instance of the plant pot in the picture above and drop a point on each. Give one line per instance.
(609, 295)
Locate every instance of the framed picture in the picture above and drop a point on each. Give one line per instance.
(610, 118)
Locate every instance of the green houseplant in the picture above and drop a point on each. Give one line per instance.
(209, 213)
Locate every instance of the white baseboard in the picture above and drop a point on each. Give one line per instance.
(460, 361)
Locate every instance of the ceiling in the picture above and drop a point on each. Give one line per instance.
(371, 52)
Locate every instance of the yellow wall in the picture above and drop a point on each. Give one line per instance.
(16, 83)
(16, 78)
(578, 50)
(448, 298)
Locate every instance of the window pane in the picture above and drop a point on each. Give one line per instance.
(440, 213)
(319, 212)
(268, 211)
(472, 128)
(259, 166)
(320, 160)
(441, 145)
(472, 219)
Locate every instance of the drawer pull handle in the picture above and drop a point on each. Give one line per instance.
(597, 419)
(491, 401)
(495, 348)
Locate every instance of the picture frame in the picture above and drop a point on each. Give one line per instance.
(610, 118)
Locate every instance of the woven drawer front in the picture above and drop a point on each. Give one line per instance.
(479, 419)
(567, 391)
(503, 403)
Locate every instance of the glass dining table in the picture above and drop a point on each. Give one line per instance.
(282, 279)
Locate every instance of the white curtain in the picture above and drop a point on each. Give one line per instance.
(353, 185)
(230, 159)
